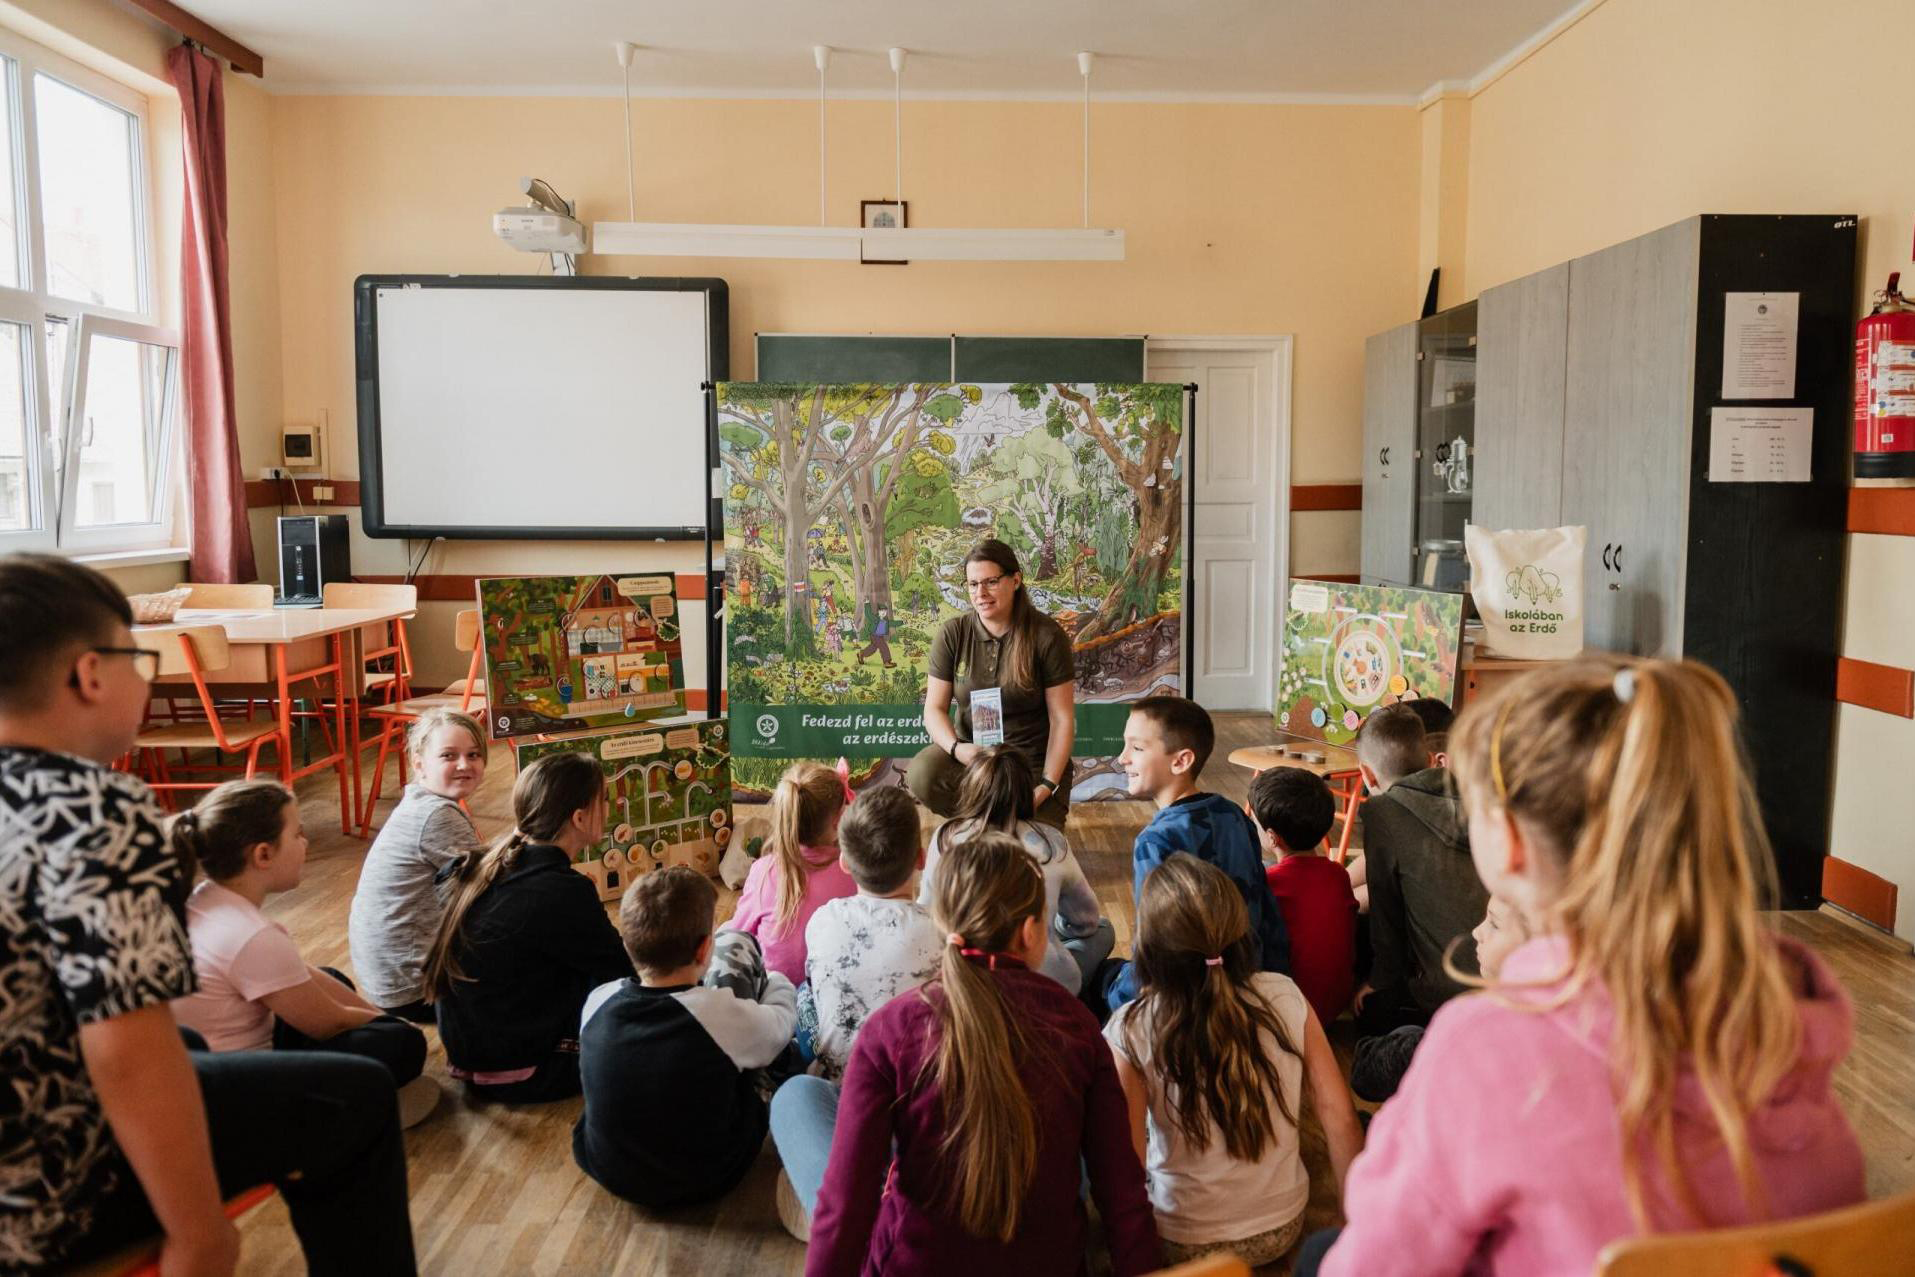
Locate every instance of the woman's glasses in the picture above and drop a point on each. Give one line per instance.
(986, 586)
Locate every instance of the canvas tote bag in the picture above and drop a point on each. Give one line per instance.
(1528, 586)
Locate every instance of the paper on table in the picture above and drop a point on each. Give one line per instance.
(1760, 445)
(1758, 345)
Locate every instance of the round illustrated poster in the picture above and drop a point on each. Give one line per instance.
(1361, 659)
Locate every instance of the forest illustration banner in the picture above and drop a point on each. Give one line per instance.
(849, 510)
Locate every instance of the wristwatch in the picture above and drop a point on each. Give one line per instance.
(1049, 784)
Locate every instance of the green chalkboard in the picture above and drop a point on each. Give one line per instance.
(800, 358)
(823, 360)
(1078, 359)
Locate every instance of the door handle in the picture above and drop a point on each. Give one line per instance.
(1619, 557)
(1605, 556)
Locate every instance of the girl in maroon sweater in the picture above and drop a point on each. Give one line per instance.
(995, 1086)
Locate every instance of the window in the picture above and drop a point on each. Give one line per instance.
(89, 383)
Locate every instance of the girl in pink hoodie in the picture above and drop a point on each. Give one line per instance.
(1655, 1059)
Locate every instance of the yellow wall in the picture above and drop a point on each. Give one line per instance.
(1646, 112)
(1240, 219)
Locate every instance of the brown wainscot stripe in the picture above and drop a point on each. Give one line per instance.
(1888, 511)
(1325, 496)
(441, 587)
(1880, 687)
(1868, 896)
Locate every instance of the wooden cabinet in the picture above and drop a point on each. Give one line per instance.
(1389, 454)
(1596, 384)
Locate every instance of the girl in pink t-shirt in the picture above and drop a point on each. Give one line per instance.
(255, 990)
(798, 871)
(1656, 1059)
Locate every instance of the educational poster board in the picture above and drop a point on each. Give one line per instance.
(849, 510)
(569, 653)
(669, 790)
(1349, 648)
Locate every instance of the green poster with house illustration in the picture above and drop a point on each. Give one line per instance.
(569, 653)
(849, 510)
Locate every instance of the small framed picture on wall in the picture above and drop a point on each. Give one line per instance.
(886, 215)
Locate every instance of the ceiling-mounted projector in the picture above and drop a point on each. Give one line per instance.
(544, 226)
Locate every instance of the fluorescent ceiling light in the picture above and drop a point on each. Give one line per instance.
(850, 244)
(692, 239)
(931, 244)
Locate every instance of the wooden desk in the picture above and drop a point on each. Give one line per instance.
(275, 649)
(1336, 764)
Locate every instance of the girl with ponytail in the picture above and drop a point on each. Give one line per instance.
(799, 869)
(993, 1087)
(524, 939)
(1215, 1057)
(1655, 1058)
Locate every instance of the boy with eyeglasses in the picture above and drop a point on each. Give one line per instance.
(110, 1130)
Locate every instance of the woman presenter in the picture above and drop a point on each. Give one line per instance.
(1009, 666)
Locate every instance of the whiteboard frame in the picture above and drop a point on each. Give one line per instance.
(371, 457)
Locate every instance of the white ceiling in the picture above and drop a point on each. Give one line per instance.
(1383, 50)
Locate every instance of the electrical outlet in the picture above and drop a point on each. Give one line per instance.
(322, 492)
(272, 472)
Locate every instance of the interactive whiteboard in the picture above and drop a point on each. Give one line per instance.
(506, 407)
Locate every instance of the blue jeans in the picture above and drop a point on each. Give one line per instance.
(804, 1113)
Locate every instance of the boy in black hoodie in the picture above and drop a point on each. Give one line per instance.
(1424, 891)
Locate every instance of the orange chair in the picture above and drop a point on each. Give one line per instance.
(142, 1259)
(1208, 1266)
(197, 651)
(467, 695)
(250, 598)
(1875, 1239)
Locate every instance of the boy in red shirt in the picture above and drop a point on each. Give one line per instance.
(1294, 811)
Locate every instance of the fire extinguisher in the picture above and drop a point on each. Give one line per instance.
(1885, 387)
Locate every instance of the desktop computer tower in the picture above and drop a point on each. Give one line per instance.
(313, 553)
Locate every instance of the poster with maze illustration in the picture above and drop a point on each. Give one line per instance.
(669, 790)
(1349, 648)
(570, 653)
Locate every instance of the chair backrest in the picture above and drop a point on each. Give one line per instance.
(210, 648)
(358, 594)
(234, 596)
(1209, 1266)
(465, 630)
(1875, 1239)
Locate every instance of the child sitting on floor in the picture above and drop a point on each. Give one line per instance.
(673, 1110)
(1293, 811)
(1657, 1058)
(400, 898)
(1424, 893)
(976, 1107)
(999, 792)
(1216, 1052)
(799, 869)
(255, 990)
(524, 940)
(861, 952)
(1167, 740)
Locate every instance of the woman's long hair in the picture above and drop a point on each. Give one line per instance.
(547, 794)
(1206, 1023)
(1018, 667)
(986, 887)
(1629, 775)
(808, 797)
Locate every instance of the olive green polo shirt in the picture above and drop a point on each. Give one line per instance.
(967, 655)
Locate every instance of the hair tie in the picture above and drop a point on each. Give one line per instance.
(956, 939)
(990, 958)
(1625, 684)
(1214, 962)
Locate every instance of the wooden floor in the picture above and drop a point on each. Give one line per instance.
(494, 1189)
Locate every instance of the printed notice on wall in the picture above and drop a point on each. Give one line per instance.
(1758, 345)
(1760, 445)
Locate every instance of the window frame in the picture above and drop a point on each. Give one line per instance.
(51, 447)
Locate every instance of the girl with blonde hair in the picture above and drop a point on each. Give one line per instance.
(1656, 1058)
(999, 1097)
(401, 894)
(1216, 1056)
(524, 940)
(799, 869)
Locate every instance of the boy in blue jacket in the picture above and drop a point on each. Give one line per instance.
(1167, 740)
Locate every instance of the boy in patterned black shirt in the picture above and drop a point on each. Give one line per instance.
(109, 1130)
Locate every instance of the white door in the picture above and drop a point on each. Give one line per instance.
(1239, 557)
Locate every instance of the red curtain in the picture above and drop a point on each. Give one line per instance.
(222, 542)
